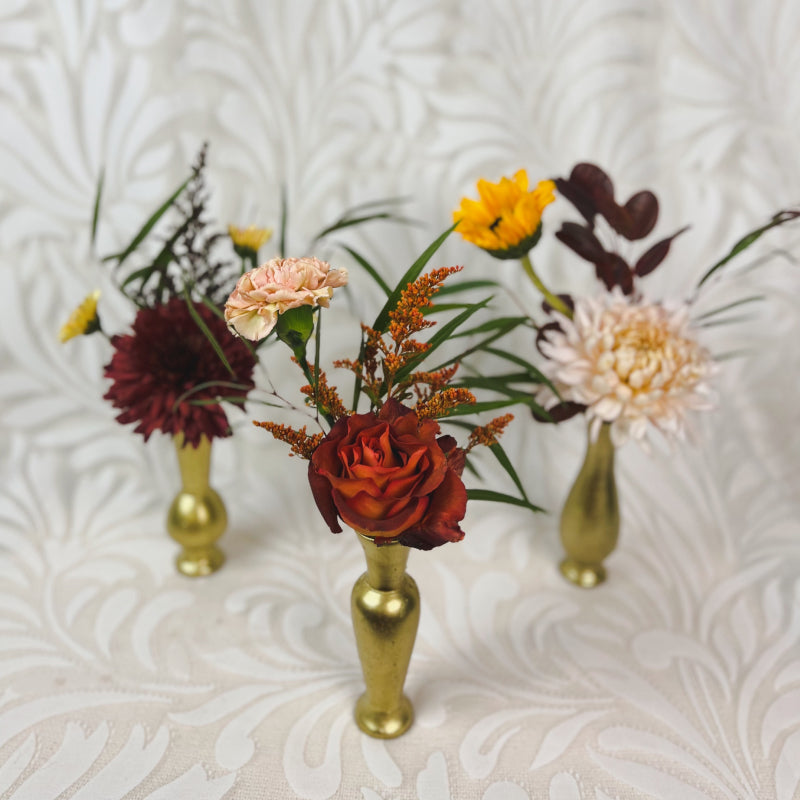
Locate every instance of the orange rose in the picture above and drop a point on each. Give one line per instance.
(389, 476)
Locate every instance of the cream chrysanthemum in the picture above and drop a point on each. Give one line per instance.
(630, 364)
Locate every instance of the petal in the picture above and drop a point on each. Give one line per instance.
(448, 506)
(365, 515)
(323, 497)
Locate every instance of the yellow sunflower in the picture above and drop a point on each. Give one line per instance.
(83, 320)
(507, 220)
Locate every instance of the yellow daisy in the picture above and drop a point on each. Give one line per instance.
(506, 221)
(83, 320)
(250, 239)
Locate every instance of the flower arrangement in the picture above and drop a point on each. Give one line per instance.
(628, 364)
(387, 472)
(616, 357)
(179, 363)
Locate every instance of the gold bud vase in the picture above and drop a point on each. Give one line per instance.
(197, 516)
(385, 609)
(590, 519)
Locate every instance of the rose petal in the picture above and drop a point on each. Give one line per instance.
(364, 515)
(448, 506)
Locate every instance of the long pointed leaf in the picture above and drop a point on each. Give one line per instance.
(369, 269)
(779, 219)
(498, 452)
(144, 273)
(352, 221)
(493, 405)
(284, 218)
(148, 226)
(464, 286)
(505, 462)
(439, 308)
(200, 322)
(729, 306)
(412, 273)
(96, 209)
(500, 497)
(537, 376)
(481, 345)
(384, 201)
(504, 323)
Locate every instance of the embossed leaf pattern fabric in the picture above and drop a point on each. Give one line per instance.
(679, 678)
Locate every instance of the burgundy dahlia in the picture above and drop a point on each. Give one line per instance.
(166, 356)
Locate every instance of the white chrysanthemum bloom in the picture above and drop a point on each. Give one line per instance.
(630, 363)
(265, 292)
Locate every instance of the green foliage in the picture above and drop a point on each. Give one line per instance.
(777, 220)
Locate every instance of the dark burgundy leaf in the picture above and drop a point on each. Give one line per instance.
(655, 255)
(541, 334)
(586, 185)
(581, 240)
(614, 271)
(635, 219)
(561, 412)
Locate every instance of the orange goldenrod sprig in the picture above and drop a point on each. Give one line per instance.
(324, 397)
(444, 401)
(301, 443)
(385, 356)
(488, 434)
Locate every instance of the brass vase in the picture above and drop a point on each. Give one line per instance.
(197, 516)
(385, 608)
(590, 519)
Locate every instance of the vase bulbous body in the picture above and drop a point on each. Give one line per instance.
(385, 610)
(590, 519)
(197, 516)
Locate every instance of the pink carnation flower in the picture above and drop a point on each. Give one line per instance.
(630, 363)
(265, 292)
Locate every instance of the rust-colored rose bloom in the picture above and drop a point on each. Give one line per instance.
(389, 475)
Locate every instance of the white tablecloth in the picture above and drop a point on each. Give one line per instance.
(679, 678)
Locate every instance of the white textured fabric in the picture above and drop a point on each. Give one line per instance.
(678, 679)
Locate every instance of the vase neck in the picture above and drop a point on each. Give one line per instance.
(194, 463)
(386, 564)
(601, 450)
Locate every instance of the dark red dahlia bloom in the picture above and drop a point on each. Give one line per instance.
(390, 476)
(166, 356)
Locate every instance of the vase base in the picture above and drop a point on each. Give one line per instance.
(383, 724)
(587, 576)
(199, 564)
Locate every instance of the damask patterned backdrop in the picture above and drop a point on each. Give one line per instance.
(679, 678)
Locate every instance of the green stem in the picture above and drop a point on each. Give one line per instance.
(300, 355)
(555, 302)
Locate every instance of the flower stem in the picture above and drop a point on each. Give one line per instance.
(555, 302)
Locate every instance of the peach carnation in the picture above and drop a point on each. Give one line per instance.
(265, 292)
(630, 363)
